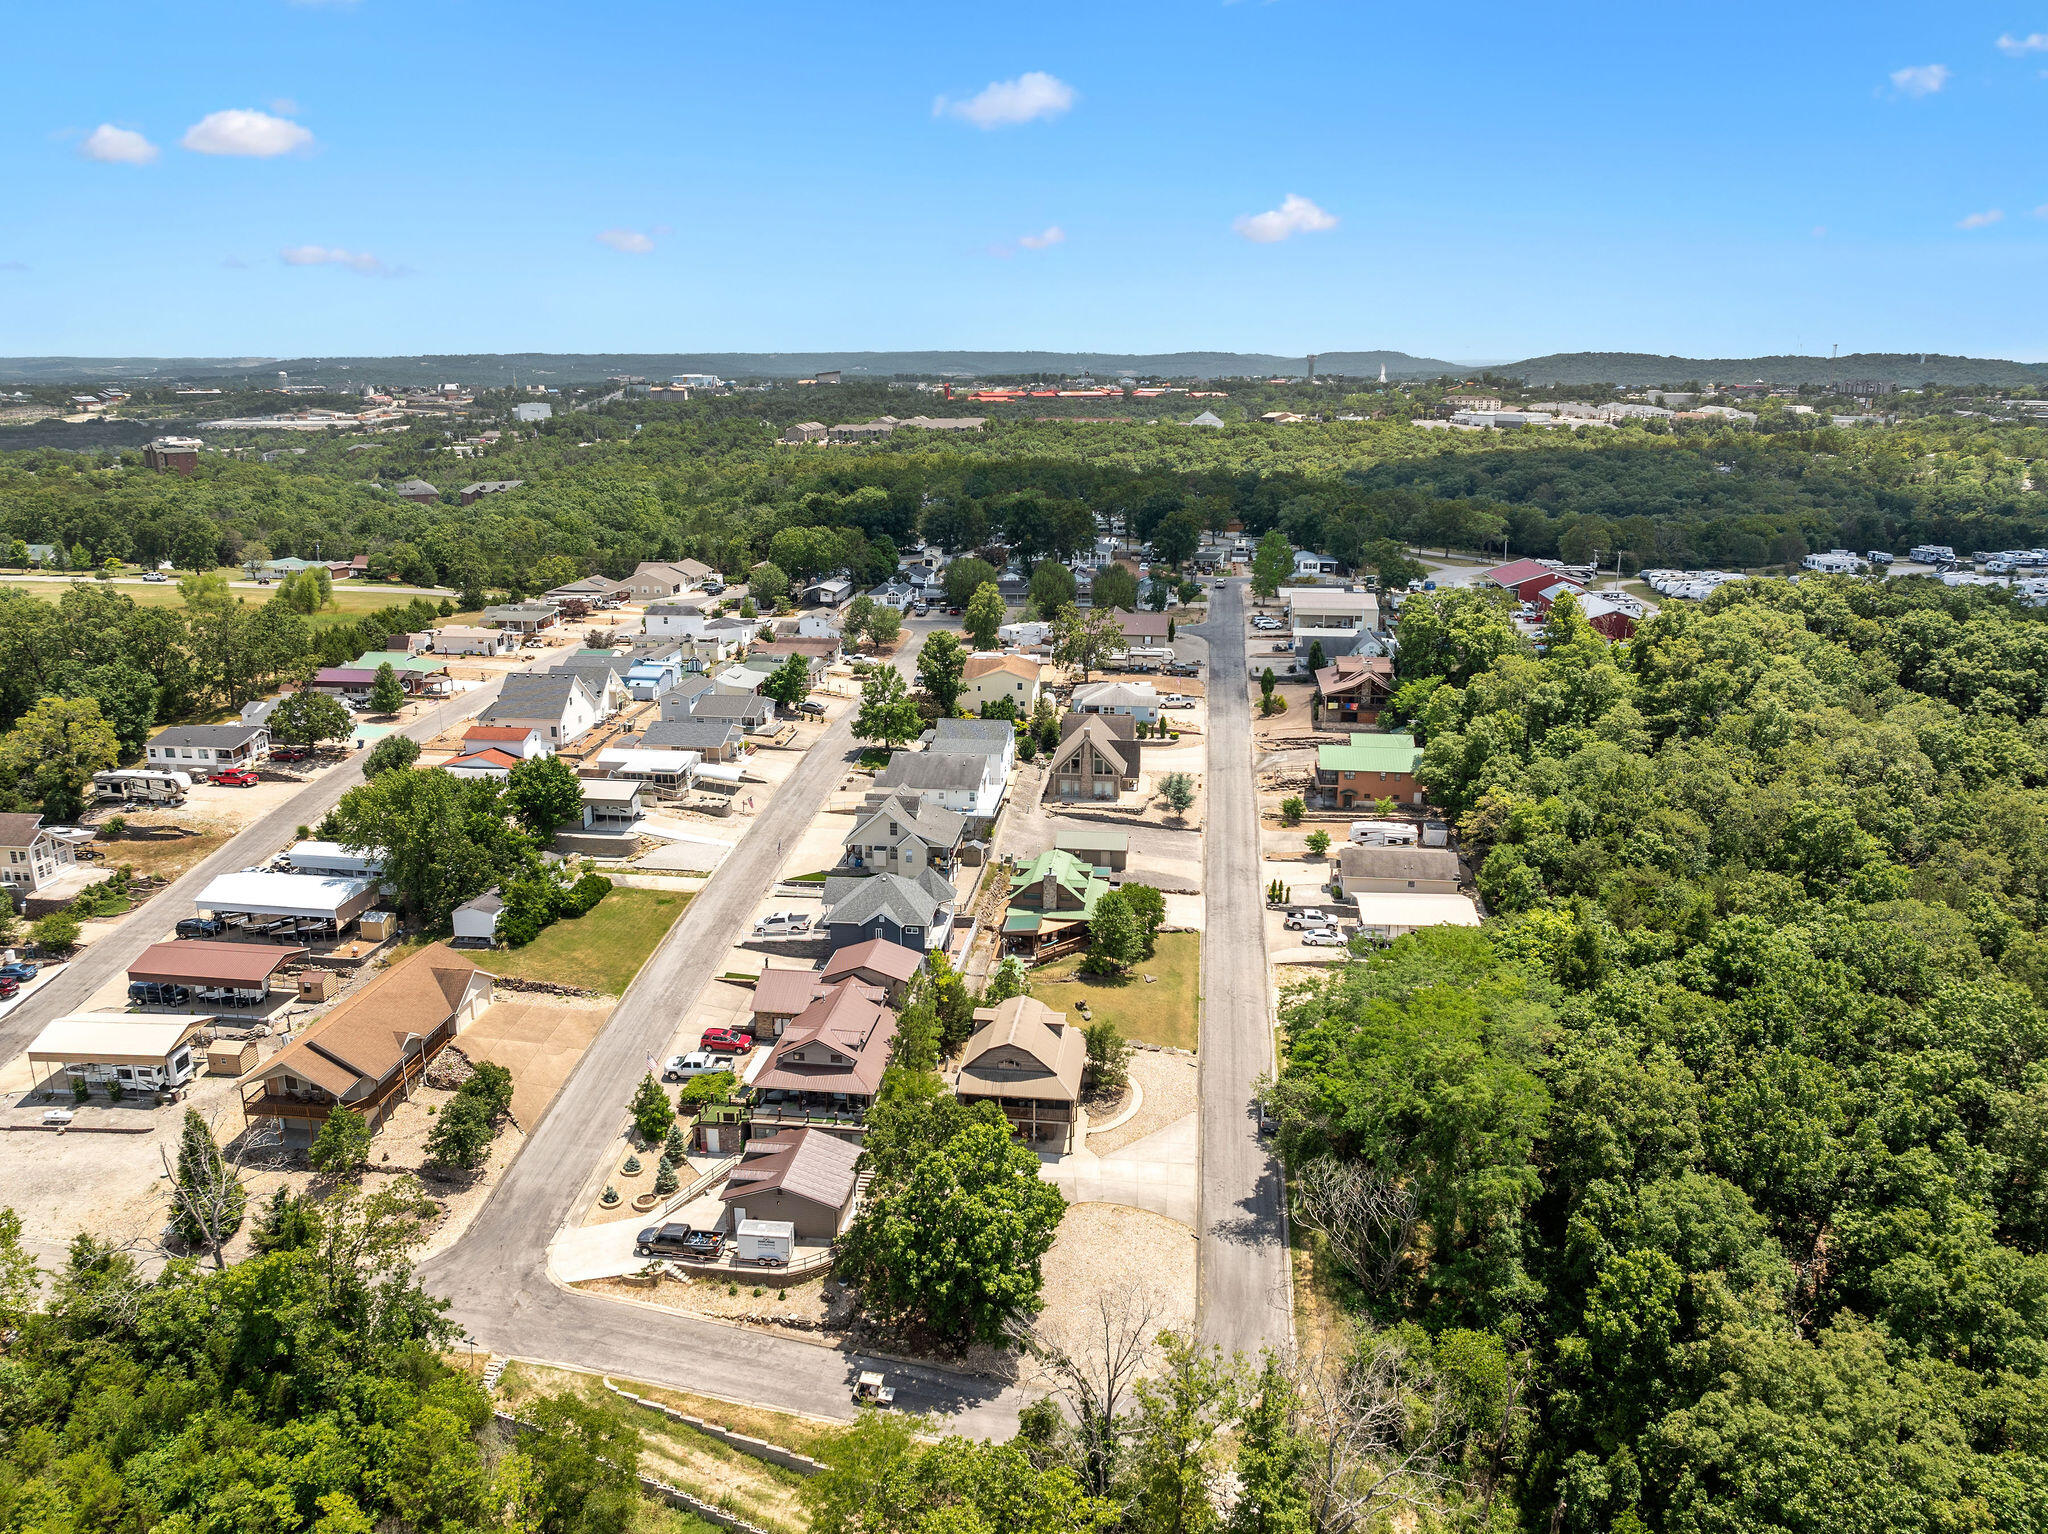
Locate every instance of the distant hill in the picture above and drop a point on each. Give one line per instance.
(492, 370)
(1904, 368)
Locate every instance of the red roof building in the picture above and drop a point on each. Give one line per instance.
(1528, 578)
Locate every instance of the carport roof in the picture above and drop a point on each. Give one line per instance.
(196, 961)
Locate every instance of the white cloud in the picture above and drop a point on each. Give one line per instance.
(631, 241)
(243, 132)
(1006, 103)
(1920, 79)
(1982, 220)
(1053, 235)
(359, 261)
(2018, 47)
(117, 146)
(1295, 215)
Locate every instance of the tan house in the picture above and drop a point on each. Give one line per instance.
(803, 1176)
(1397, 870)
(370, 1051)
(655, 579)
(1025, 1059)
(988, 679)
(1097, 757)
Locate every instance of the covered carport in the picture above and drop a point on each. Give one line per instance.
(287, 907)
(231, 974)
(109, 1049)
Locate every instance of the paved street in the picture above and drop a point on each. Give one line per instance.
(111, 955)
(1244, 1300)
(496, 1275)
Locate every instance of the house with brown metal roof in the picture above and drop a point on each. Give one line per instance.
(877, 962)
(804, 1176)
(371, 1050)
(1026, 1060)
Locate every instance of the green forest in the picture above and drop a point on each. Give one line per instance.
(1731, 1132)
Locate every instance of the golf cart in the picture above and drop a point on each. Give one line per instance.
(869, 1390)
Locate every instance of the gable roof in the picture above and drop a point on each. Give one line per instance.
(1515, 572)
(906, 902)
(1010, 665)
(1359, 862)
(805, 1163)
(690, 734)
(846, 1019)
(1023, 1048)
(929, 821)
(215, 735)
(1077, 878)
(1371, 753)
(19, 830)
(1142, 625)
(731, 705)
(878, 954)
(1094, 730)
(498, 732)
(488, 757)
(1115, 695)
(935, 770)
(537, 695)
(366, 1037)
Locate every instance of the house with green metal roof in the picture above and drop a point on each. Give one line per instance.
(1372, 766)
(1051, 897)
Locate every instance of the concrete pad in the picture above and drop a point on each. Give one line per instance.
(1186, 911)
(685, 855)
(1158, 1173)
(538, 1043)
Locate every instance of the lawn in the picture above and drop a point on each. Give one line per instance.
(602, 950)
(1168, 1011)
(349, 604)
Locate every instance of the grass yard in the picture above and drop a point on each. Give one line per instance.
(1168, 1011)
(349, 604)
(602, 950)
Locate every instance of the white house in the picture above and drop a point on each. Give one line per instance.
(1024, 635)
(969, 784)
(209, 746)
(476, 921)
(459, 640)
(1337, 620)
(1308, 565)
(558, 706)
(1136, 700)
(31, 854)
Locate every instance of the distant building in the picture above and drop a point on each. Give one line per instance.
(533, 412)
(417, 490)
(483, 487)
(172, 455)
(1207, 418)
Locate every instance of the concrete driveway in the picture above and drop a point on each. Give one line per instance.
(1158, 1173)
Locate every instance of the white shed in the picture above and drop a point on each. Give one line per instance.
(476, 921)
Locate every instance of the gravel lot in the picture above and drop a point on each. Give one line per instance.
(1169, 1083)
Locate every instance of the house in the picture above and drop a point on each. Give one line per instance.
(833, 593)
(1051, 900)
(1309, 565)
(370, 1051)
(485, 762)
(916, 912)
(815, 625)
(523, 617)
(417, 490)
(1614, 614)
(604, 672)
(1208, 418)
(417, 674)
(1097, 758)
(1138, 701)
(1526, 578)
(974, 737)
(558, 706)
(1025, 635)
(34, 853)
(1143, 631)
(804, 1178)
(483, 487)
(828, 1062)
(714, 740)
(1370, 767)
(476, 921)
(1396, 870)
(611, 806)
(1104, 851)
(805, 431)
(888, 966)
(210, 746)
(343, 681)
(750, 711)
(654, 579)
(969, 784)
(517, 740)
(739, 680)
(905, 835)
(780, 994)
(1340, 621)
(900, 595)
(1354, 688)
(1026, 1060)
(990, 679)
(665, 773)
(821, 653)
(456, 639)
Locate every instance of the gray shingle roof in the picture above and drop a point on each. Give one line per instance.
(739, 706)
(219, 736)
(528, 695)
(906, 902)
(933, 770)
(932, 822)
(690, 735)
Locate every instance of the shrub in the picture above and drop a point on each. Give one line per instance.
(1109, 1056)
(665, 1181)
(652, 1112)
(342, 1148)
(81, 1090)
(461, 1136)
(675, 1149)
(711, 1087)
(586, 892)
(1291, 810)
(55, 933)
(1318, 843)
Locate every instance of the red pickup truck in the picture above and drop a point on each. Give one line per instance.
(236, 777)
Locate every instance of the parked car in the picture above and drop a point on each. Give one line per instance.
(919, 609)
(811, 710)
(201, 926)
(21, 970)
(697, 1062)
(1323, 937)
(156, 578)
(236, 777)
(782, 924)
(152, 993)
(1302, 921)
(662, 1241)
(1176, 700)
(725, 1041)
(9, 989)
(290, 753)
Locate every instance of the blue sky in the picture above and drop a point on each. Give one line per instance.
(275, 177)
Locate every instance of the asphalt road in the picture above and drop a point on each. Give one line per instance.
(495, 1276)
(1244, 1303)
(110, 956)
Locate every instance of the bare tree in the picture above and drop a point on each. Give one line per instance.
(1368, 1217)
(1094, 1360)
(1380, 1433)
(208, 1200)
